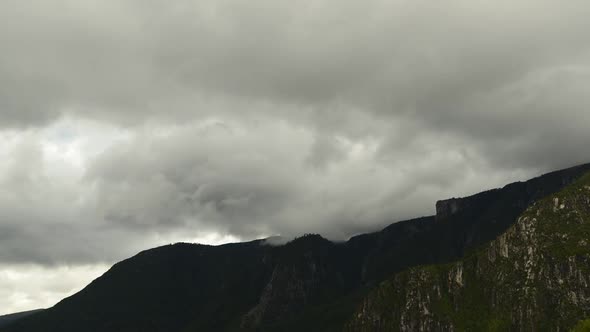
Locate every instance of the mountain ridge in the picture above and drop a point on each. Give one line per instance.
(256, 287)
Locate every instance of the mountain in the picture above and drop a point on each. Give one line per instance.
(535, 276)
(8, 319)
(313, 284)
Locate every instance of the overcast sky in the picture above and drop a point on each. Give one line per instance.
(129, 124)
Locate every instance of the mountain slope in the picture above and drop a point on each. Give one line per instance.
(164, 289)
(8, 319)
(534, 277)
(307, 284)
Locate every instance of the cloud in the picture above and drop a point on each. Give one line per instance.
(486, 72)
(264, 179)
(274, 117)
(128, 59)
(72, 194)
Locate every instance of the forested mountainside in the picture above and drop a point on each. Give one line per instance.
(317, 285)
(534, 277)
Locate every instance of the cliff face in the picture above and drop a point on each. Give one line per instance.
(517, 195)
(534, 277)
(448, 207)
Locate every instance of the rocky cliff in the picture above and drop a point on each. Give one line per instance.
(533, 277)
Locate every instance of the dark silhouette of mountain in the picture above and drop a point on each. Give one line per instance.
(309, 283)
(8, 319)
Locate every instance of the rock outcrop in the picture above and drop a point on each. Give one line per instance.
(447, 208)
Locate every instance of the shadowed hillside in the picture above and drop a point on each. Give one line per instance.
(8, 319)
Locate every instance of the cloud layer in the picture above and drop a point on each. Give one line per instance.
(129, 124)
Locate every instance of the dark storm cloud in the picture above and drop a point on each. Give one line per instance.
(131, 59)
(274, 117)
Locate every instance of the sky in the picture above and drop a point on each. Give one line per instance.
(129, 124)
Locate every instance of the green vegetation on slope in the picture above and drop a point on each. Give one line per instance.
(533, 277)
(582, 326)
